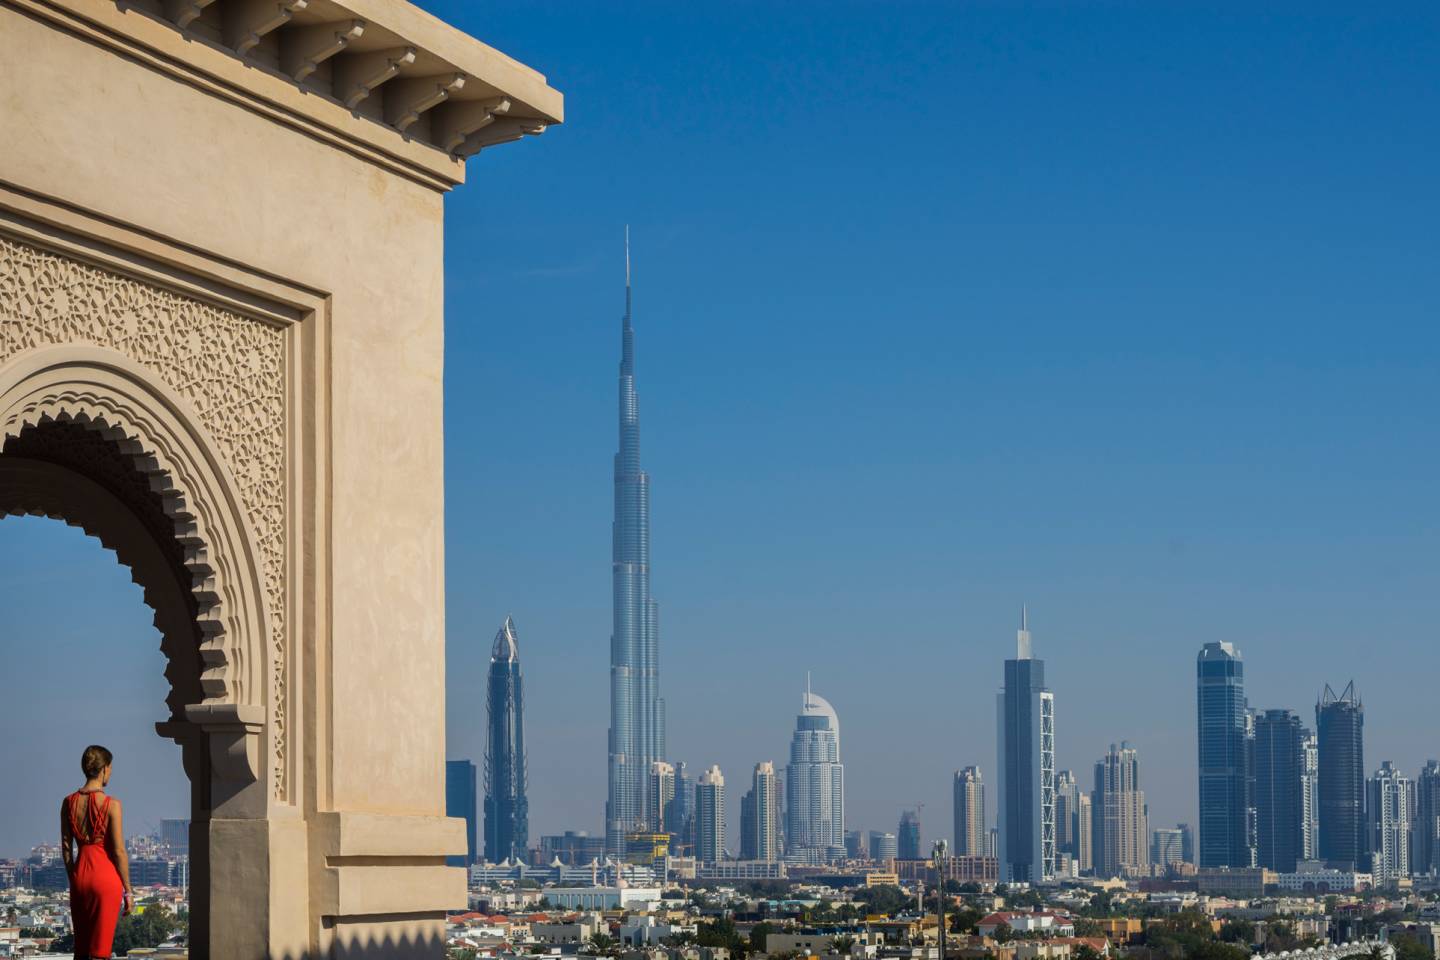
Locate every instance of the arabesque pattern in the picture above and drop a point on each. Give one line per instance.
(229, 367)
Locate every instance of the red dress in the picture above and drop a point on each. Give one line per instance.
(96, 893)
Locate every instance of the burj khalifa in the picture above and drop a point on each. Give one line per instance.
(637, 713)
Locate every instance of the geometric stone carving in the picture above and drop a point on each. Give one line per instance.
(229, 367)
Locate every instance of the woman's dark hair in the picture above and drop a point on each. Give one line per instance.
(94, 759)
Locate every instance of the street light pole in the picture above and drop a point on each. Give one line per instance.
(938, 854)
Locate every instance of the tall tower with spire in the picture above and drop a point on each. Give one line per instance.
(637, 713)
(507, 810)
(1025, 767)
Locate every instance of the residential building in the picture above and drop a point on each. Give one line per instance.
(883, 846)
(1279, 801)
(760, 816)
(175, 834)
(969, 799)
(460, 803)
(1167, 847)
(1226, 838)
(1426, 828)
(507, 808)
(1187, 842)
(1340, 731)
(1309, 796)
(710, 816)
(661, 795)
(1388, 807)
(1120, 833)
(815, 784)
(1025, 768)
(680, 818)
(572, 848)
(1067, 790)
(637, 712)
(908, 836)
(1084, 833)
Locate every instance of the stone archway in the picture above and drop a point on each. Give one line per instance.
(89, 438)
(222, 353)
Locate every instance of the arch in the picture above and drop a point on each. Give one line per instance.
(75, 418)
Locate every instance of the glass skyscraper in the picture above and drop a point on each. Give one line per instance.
(1340, 729)
(1025, 780)
(815, 785)
(460, 803)
(1279, 794)
(1225, 788)
(637, 714)
(507, 811)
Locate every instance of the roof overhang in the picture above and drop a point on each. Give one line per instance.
(382, 78)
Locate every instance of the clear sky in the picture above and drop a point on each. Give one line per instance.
(1123, 312)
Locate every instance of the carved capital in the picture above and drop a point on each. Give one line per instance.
(234, 732)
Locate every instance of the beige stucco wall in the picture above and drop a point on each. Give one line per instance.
(133, 144)
(140, 138)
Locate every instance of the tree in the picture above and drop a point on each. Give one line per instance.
(147, 929)
(1085, 952)
(722, 933)
(843, 945)
(887, 899)
(758, 933)
(1409, 948)
(1003, 933)
(603, 945)
(964, 919)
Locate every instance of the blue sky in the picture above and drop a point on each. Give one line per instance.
(1121, 311)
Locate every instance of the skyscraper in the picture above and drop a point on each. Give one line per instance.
(507, 810)
(680, 818)
(1426, 861)
(637, 714)
(855, 846)
(1066, 791)
(1084, 833)
(1026, 768)
(1340, 730)
(710, 817)
(760, 816)
(907, 837)
(883, 846)
(815, 785)
(1309, 796)
(1121, 831)
(969, 813)
(460, 804)
(1388, 808)
(1167, 847)
(661, 796)
(1279, 801)
(1225, 834)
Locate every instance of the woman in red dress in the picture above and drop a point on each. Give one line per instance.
(100, 872)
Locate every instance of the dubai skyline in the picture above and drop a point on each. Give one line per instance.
(1169, 381)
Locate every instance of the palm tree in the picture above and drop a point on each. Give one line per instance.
(843, 945)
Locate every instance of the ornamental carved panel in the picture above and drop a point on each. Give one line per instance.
(229, 367)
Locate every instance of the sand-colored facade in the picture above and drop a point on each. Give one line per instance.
(221, 353)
